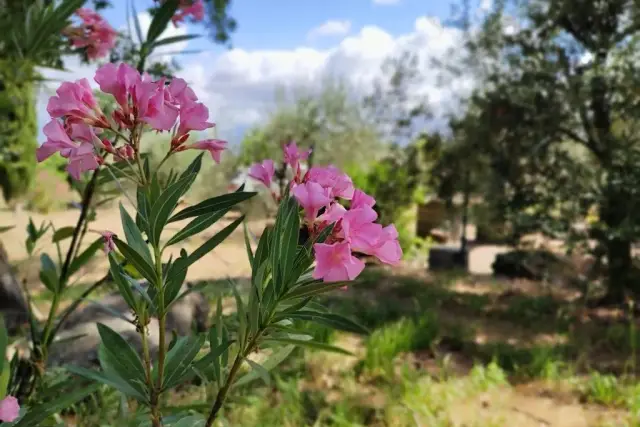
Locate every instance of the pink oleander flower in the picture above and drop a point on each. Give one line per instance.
(293, 155)
(193, 116)
(9, 409)
(333, 179)
(360, 230)
(83, 159)
(95, 34)
(335, 263)
(57, 141)
(85, 133)
(118, 80)
(82, 156)
(109, 244)
(263, 172)
(192, 8)
(388, 249)
(312, 197)
(334, 213)
(74, 101)
(214, 146)
(361, 199)
(180, 93)
(151, 106)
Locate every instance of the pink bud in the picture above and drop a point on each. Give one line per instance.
(9, 409)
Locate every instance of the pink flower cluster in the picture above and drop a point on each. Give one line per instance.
(77, 120)
(94, 33)
(354, 230)
(188, 8)
(9, 409)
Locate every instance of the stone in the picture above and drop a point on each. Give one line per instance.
(447, 258)
(77, 342)
(13, 305)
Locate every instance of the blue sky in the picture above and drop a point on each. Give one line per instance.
(285, 24)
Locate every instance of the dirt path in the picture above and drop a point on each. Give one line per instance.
(228, 259)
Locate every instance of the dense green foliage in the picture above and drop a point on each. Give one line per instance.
(18, 130)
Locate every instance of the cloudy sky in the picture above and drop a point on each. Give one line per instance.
(300, 43)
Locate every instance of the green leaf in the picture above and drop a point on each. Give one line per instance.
(134, 236)
(122, 283)
(49, 273)
(142, 214)
(161, 19)
(176, 275)
(180, 358)
(214, 241)
(164, 206)
(329, 319)
(39, 413)
(136, 23)
(6, 228)
(199, 224)
(242, 314)
(315, 288)
(5, 374)
(193, 169)
(85, 256)
(309, 344)
(213, 204)
(272, 361)
(143, 267)
(261, 371)
(62, 233)
(247, 243)
(190, 421)
(175, 39)
(129, 365)
(111, 381)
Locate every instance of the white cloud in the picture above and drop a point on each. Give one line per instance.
(386, 2)
(239, 85)
(332, 27)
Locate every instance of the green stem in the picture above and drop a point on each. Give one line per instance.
(162, 331)
(222, 394)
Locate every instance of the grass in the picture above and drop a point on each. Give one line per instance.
(442, 353)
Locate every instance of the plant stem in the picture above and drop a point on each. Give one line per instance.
(86, 202)
(222, 394)
(157, 390)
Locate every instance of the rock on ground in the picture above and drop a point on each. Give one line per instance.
(77, 343)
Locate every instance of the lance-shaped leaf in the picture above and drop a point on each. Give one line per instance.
(212, 205)
(164, 206)
(333, 320)
(39, 413)
(179, 359)
(123, 285)
(137, 260)
(161, 19)
(134, 236)
(272, 361)
(309, 344)
(49, 273)
(85, 256)
(127, 362)
(62, 234)
(198, 225)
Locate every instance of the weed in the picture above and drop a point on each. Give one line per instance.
(402, 336)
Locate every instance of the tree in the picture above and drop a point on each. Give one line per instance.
(331, 122)
(564, 76)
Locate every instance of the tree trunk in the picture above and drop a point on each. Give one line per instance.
(619, 260)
